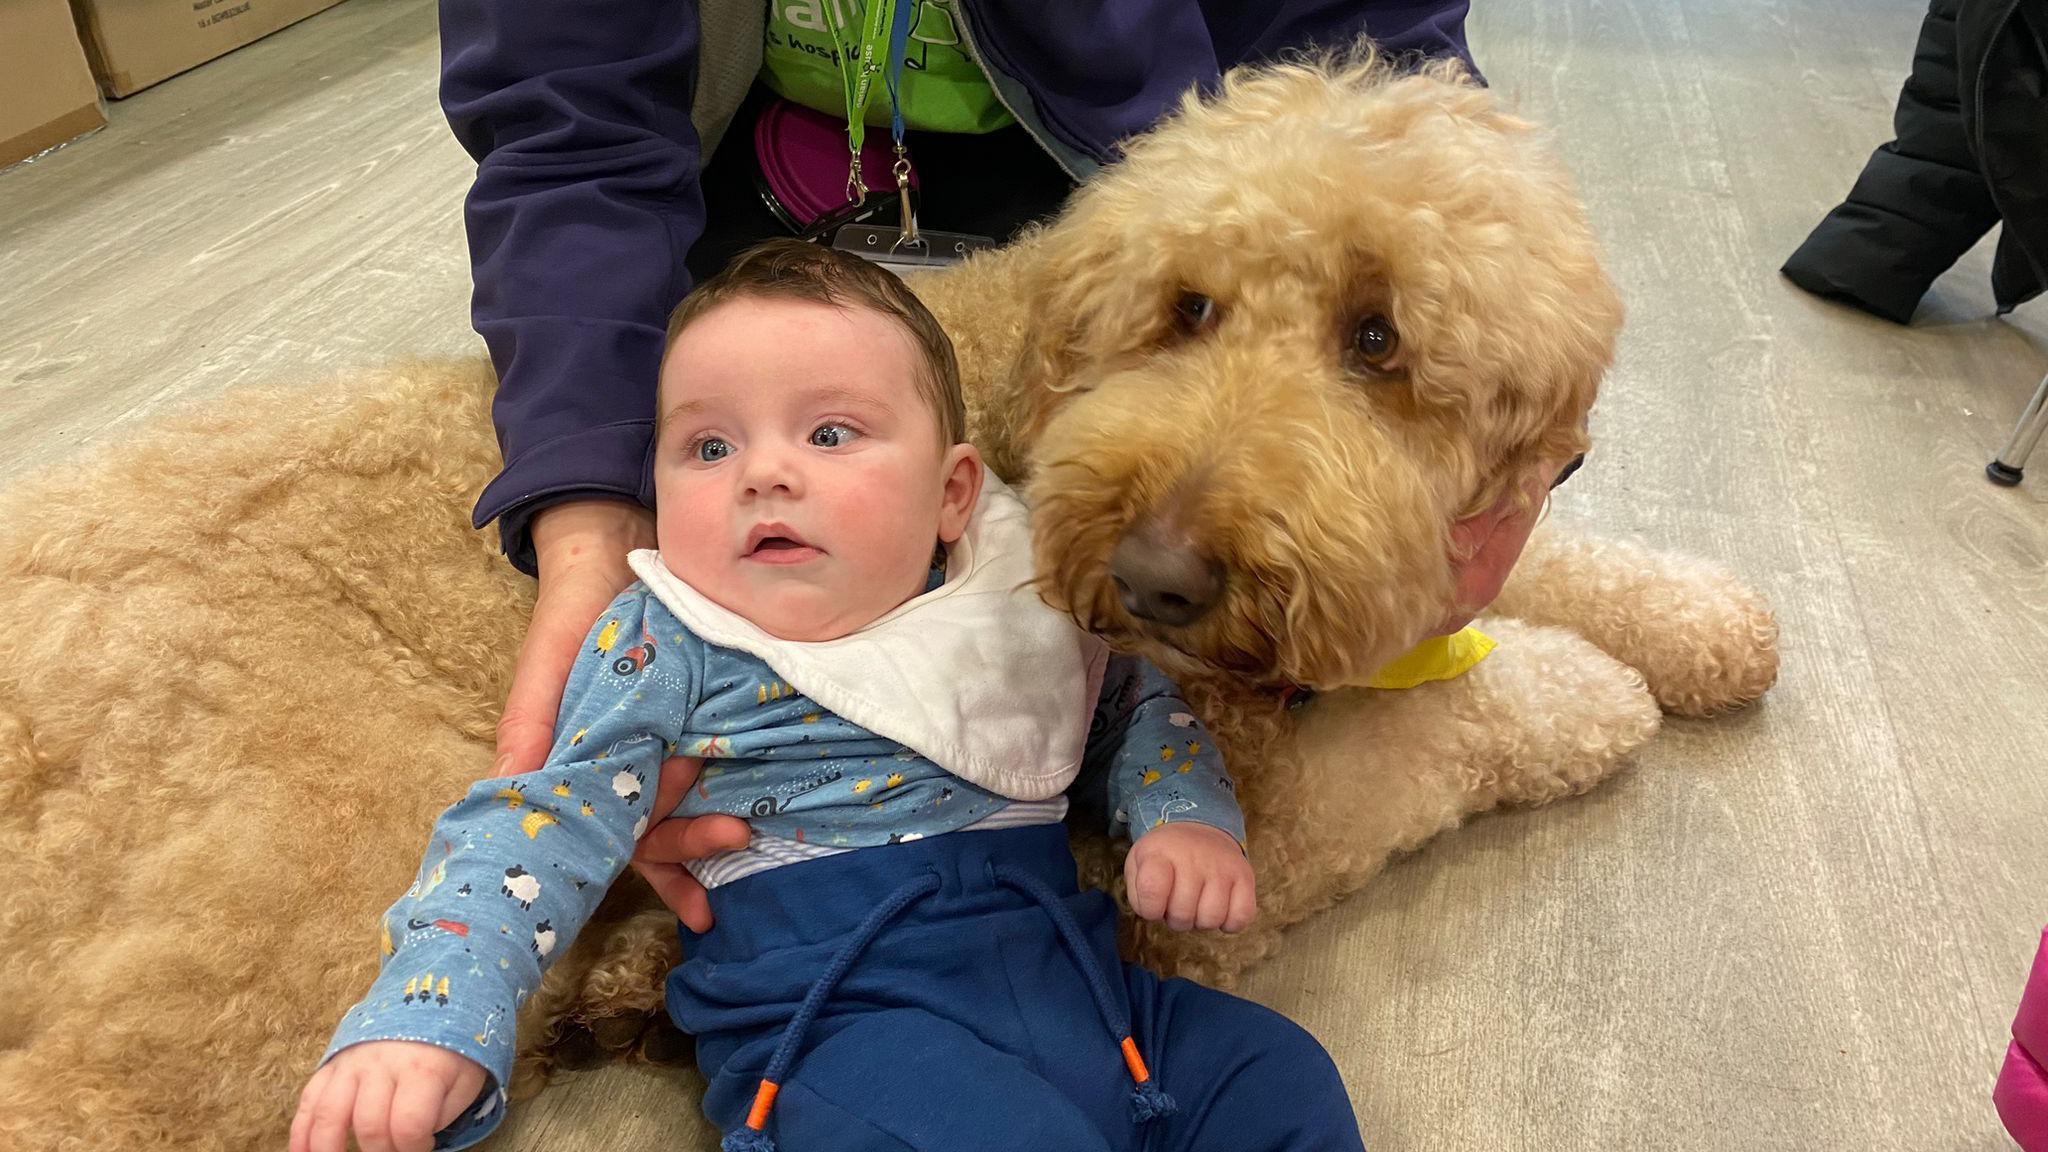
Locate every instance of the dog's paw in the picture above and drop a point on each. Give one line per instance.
(1723, 652)
(1548, 715)
(1704, 641)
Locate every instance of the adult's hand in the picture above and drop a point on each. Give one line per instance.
(581, 548)
(1484, 548)
(664, 847)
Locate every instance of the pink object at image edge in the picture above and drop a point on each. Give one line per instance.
(2021, 1095)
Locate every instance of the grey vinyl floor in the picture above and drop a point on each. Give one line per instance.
(1802, 927)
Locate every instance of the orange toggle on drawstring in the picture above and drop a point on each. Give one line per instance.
(764, 1099)
(1135, 1062)
(1148, 1102)
(753, 1135)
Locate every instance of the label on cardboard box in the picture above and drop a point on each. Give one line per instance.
(212, 12)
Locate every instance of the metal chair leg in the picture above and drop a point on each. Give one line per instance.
(2011, 463)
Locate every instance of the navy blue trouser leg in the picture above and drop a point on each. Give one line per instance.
(1247, 1078)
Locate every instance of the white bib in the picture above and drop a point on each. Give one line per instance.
(978, 675)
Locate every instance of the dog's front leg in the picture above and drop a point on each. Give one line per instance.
(1703, 640)
(1547, 715)
(1361, 774)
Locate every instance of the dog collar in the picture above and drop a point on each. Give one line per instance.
(1437, 658)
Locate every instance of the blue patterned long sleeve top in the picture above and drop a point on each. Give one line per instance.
(516, 867)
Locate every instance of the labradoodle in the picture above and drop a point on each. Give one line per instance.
(1259, 380)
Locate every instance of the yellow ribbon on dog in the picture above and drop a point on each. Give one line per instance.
(1437, 658)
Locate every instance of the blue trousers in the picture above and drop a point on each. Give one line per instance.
(970, 1023)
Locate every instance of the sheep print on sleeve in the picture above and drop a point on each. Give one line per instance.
(516, 867)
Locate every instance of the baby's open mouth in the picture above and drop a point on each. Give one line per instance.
(778, 543)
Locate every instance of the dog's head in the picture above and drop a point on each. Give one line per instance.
(1279, 348)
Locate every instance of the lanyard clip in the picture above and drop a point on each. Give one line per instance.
(908, 211)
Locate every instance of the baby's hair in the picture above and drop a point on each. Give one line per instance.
(790, 269)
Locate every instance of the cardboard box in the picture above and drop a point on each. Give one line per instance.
(135, 43)
(46, 91)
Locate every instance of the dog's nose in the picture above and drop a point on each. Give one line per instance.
(1163, 580)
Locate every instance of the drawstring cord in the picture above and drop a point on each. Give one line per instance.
(753, 1135)
(1148, 1101)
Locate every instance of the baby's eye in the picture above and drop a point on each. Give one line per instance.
(833, 436)
(711, 450)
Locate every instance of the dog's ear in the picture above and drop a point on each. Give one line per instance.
(1047, 350)
(1089, 300)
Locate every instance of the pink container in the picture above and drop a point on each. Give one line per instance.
(2022, 1091)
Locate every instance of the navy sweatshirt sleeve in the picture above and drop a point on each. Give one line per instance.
(1092, 80)
(1409, 29)
(585, 202)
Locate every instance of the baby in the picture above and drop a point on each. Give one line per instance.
(839, 619)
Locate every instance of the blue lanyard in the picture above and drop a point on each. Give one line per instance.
(899, 49)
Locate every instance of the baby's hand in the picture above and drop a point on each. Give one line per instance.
(393, 1094)
(1191, 876)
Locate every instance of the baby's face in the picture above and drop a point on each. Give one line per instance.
(799, 480)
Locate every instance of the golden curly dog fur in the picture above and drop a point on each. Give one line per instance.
(246, 658)
(1299, 204)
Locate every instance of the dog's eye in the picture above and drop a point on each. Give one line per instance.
(1194, 313)
(1376, 341)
